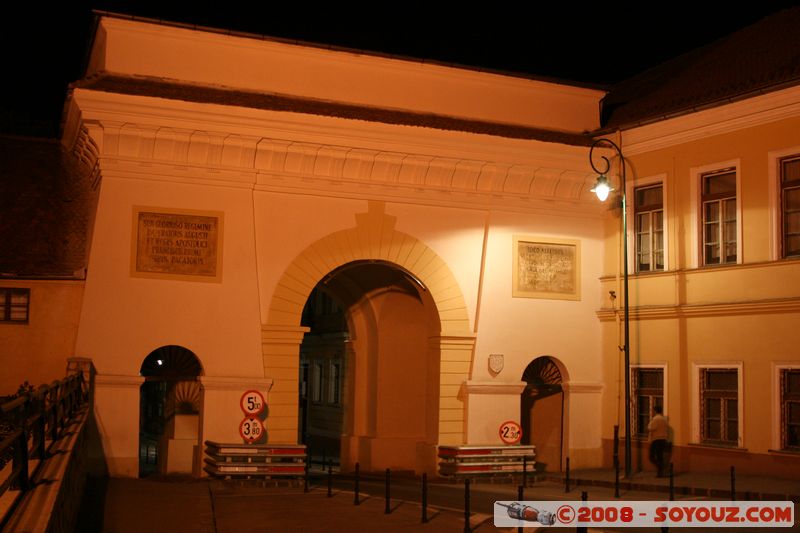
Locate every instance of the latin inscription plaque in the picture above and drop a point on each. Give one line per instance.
(546, 268)
(176, 244)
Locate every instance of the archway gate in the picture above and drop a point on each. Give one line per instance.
(373, 238)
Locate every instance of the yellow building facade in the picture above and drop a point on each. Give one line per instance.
(714, 285)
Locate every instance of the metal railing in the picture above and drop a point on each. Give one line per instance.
(38, 418)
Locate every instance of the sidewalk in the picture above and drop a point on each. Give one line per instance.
(691, 484)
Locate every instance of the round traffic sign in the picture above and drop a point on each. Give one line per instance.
(251, 429)
(252, 403)
(510, 432)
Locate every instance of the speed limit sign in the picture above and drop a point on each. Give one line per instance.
(251, 429)
(510, 432)
(252, 403)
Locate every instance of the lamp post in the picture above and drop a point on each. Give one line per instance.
(602, 188)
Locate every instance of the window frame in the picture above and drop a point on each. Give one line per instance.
(650, 211)
(630, 194)
(6, 305)
(778, 420)
(698, 407)
(698, 218)
(635, 433)
(775, 159)
(334, 396)
(721, 200)
(781, 187)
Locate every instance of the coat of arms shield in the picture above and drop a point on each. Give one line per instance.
(496, 362)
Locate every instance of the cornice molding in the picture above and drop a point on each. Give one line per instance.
(116, 380)
(240, 384)
(583, 387)
(554, 179)
(727, 118)
(488, 387)
(789, 305)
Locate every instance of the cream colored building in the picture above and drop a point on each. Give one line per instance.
(447, 213)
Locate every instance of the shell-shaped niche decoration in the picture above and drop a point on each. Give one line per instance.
(185, 396)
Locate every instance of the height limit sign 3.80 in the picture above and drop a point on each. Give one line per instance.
(251, 428)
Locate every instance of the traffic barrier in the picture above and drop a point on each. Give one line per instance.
(255, 460)
(484, 460)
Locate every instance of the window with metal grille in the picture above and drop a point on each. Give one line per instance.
(648, 393)
(648, 209)
(790, 409)
(719, 217)
(14, 305)
(719, 400)
(790, 206)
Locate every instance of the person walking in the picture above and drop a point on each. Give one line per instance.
(658, 431)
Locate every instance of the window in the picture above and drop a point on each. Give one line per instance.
(648, 209)
(790, 409)
(316, 383)
(14, 304)
(334, 383)
(790, 206)
(719, 406)
(719, 230)
(648, 393)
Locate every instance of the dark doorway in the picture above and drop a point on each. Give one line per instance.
(369, 373)
(168, 411)
(542, 410)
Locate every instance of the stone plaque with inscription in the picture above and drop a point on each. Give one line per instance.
(176, 244)
(546, 268)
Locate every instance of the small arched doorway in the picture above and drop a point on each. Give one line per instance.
(169, 411)
(542, 410)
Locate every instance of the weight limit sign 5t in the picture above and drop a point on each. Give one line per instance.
(724, 514)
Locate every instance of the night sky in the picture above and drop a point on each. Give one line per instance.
(45, 48)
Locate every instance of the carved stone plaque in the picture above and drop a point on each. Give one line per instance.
(169, 244)
(546, 268)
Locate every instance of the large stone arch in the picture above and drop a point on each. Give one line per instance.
(374, 237)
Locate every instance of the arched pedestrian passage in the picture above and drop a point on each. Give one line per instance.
(542, 409)
(169, 411)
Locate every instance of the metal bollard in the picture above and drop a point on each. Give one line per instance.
(616, 478)
(583, 529)
(305, 477)
(355, 489)
(520, 498)
(424, 498)
(330, 478)
(388, 508)
(671, 483)
(566, 478)
(467, 528)
(733, 483)
(524, 470)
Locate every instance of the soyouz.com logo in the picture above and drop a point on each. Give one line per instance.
(644, 514)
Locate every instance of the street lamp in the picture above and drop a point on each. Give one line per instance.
(602, 188)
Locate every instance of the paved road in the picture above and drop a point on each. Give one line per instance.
(185, 504)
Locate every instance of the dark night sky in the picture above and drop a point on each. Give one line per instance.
(602, 44)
